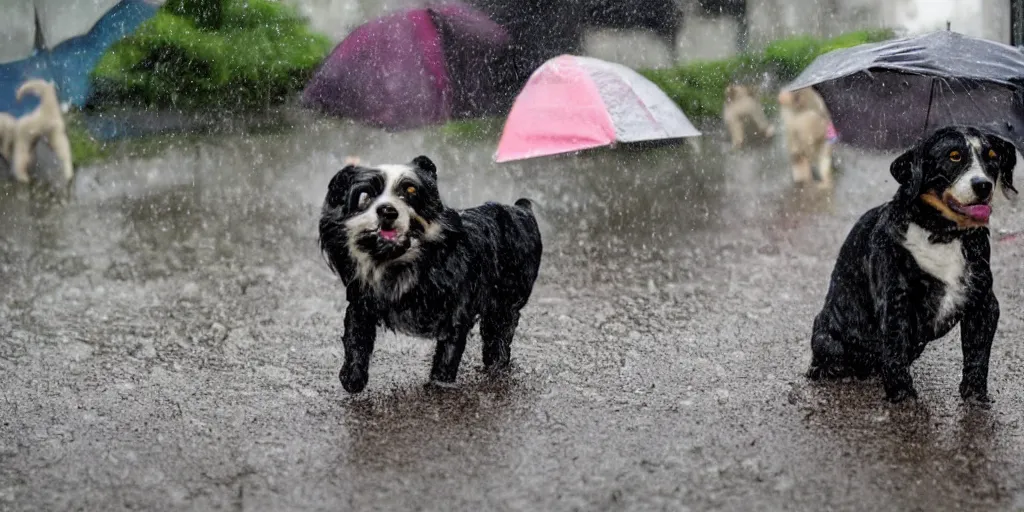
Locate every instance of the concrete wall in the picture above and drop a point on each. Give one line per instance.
(336, 18)
(772, 19)
(989, 19)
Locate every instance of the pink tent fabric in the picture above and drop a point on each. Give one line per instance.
(574, 103)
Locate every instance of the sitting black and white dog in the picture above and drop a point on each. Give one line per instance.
(413, 265)
(911, 269)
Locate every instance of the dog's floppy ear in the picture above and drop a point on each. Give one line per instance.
(426, 165)
(337, 190)
(1008, 157)
(906, 169)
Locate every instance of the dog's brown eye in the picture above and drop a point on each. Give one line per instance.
(410, 190)
(992, 153)
(954, 156)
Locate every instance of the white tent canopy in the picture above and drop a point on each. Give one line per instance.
(572, 103)
(59, 20)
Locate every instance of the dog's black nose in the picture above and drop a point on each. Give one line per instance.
(387, 212)
(982, 187)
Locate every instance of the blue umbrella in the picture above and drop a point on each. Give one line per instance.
(69, 63)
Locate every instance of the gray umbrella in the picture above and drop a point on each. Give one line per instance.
(887, 95)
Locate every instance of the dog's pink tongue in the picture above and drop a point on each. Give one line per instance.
(978, 212)
(388, 234)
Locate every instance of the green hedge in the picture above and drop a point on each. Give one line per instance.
(473, 129)
(85, 150)
(261, 53)
(699, 87)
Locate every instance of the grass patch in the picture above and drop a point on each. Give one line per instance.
(699, 87)
(85, 150)
(261, 52)
(471, 130)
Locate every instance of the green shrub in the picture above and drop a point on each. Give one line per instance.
(84, 149)
(466, 130)
(261, 53)
(699, 87)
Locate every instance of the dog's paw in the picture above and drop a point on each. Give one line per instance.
(900, 394)
(496, 359)
(827, 372)
(974, 396)
(442, 377)
(980, 403)
(353, 379)
(898, 383)
(816, 373)
(441, 374)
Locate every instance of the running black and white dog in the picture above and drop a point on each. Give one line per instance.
(911, 269)
(413, 265)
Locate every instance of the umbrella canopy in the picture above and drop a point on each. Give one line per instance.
(887, 95)
(572, 103)
(71, 38)
(411, 68)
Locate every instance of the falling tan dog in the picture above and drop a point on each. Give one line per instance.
(744, 116)
(46, 121)
(805, 121)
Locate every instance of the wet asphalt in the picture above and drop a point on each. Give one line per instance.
(170, 340)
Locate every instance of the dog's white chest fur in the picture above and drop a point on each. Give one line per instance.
(943, 261)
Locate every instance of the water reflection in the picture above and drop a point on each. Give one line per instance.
(412, 428)
(960, 446)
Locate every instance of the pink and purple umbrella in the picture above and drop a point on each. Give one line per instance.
(574, 103)
(412, 68)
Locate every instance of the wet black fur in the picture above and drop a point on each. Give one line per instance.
(881, 307)
(483, 269)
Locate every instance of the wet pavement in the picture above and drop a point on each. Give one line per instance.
(170, 340)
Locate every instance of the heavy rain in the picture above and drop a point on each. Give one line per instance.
(171, 332)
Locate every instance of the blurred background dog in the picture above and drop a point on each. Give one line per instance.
(744, 116)
(806, 122)
(45, 123)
